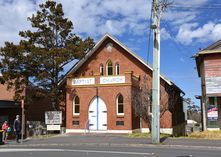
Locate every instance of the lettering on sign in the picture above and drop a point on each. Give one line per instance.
(112, 79)
(213, 85)
(53, 127)
(83, 81)
(53, 117)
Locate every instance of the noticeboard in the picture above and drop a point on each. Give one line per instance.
(53, 117)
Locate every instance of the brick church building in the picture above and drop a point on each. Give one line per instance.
(99, 92)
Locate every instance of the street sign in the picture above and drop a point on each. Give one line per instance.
(53, 117)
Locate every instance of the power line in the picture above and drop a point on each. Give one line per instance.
(149, 36)
(195, 7)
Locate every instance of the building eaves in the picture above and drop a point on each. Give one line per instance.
(213, 46)
(90, 53)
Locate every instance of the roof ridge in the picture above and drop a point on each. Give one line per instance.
(106, 35)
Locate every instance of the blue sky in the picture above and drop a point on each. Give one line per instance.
(185, 27)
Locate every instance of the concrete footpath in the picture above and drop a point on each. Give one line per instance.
(112, 140)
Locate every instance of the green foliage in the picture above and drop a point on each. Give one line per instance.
(40, 57)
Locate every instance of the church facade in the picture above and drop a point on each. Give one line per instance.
(100, 93)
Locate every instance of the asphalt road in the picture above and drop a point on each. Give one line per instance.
(94, 145)
(86, 151)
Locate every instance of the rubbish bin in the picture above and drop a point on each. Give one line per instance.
(1, 142)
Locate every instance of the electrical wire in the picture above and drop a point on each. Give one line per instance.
(195, 7)
(149, 35)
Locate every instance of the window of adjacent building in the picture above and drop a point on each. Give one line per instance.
(101, 69)
(120, 105)
(212, 112)
(109, 68)
(76, 106)
(117, 69)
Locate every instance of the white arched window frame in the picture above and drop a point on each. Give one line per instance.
(76, 105)
(101, 69)
(117, 67)
(120, 105)
(109, 68)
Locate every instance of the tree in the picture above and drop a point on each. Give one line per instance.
(141, 99)
(40, 57)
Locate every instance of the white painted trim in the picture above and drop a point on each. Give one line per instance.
(213, 129)
(120, 131)
(74, 131)
(166, 131)
(73, 106)
(145, 130)
(98, 44)
(119, 114)
(76, 114)
(98, 131)
(162, 130)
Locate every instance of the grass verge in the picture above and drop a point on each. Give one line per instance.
(212, 135)
(215, 135)
(146, 135)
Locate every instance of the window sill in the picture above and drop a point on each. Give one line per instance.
(76, 115)
(120, 115)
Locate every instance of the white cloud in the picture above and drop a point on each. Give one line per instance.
(14, 18)
(116, 17)
(92, 18)
(165, 35)
(191, 2)
(191, 32)
(175, 17)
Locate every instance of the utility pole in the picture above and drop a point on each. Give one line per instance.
(156, 75)
(158, 9)
(22, 122)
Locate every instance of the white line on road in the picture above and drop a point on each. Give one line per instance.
(72, 150)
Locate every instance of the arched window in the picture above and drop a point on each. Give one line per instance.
(120, 105)
(101, 69)
(109, 68)
(76, 106)
(117, 67)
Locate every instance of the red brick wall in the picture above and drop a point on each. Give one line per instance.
(108, 94)
(6, 94)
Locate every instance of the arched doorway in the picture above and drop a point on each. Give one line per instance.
(97, 115)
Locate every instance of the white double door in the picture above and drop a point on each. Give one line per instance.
(97, 115)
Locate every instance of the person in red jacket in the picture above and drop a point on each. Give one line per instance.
(4, 131)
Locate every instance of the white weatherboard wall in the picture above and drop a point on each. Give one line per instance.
(213, 85)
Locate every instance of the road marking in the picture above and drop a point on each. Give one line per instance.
(70, 150)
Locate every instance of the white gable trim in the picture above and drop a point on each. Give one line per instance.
(85, 58)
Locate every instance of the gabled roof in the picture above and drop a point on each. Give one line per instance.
(211, 49)
(89, 54)
(214, 45)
